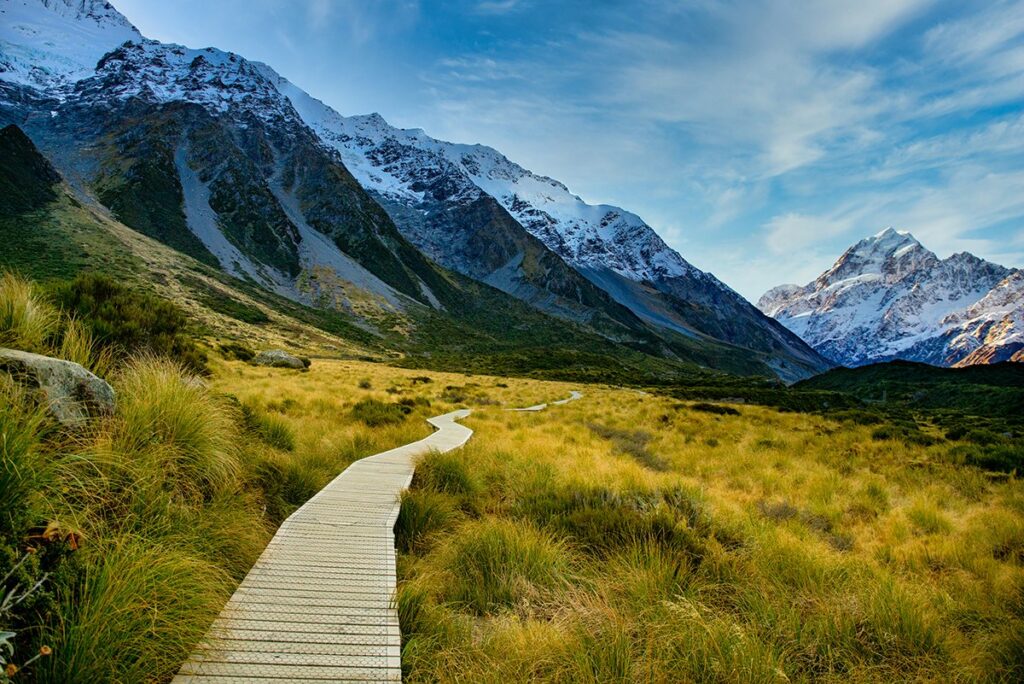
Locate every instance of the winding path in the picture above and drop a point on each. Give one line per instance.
(317, 606)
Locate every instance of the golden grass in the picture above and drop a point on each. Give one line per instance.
(801, 550)
(623, 537)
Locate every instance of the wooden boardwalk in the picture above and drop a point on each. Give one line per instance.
(317, 606)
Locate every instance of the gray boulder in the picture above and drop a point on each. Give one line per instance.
(70, 392)
(278, 358)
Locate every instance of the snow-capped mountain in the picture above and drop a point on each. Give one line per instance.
(421, 181)
(225, 160)
(888, 297)
(60, 45)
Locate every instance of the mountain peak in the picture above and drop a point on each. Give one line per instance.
(889, 297)
(889, 240)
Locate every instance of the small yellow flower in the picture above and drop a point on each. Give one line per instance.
(11, 670)
(45, 650)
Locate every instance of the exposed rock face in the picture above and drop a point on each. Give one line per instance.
(887, 297)
(278, 358)
(436, 192)
(70, 392)
(223, 159)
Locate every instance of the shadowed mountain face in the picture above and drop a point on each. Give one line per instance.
(226, 161)
(887, 297)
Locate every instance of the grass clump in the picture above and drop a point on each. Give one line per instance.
(270, 428)
(135, 613)
(27, 320)
(633, 443)
(422, 514)
(498, 564)
(24, 464)
(178, 427)
(375, 413)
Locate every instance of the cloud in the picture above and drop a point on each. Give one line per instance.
(793, 231)
(498, 6)
(768, 126)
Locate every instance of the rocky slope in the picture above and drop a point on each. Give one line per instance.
(226, 161)
(888, 297)
(429, 186)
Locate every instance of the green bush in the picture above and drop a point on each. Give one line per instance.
(130, 321)
(717, 409)
(233, 350)
(376, 413)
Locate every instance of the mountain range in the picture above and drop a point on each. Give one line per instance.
(227, 162)
(888, 297)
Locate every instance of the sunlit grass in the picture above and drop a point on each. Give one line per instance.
(766, 547)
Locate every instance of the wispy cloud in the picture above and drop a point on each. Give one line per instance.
(782, 125)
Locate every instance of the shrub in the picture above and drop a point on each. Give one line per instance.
(375, 413)
(857, 416)
(130, 321)
(167, 420)
(1002, 459)
(27, 321)
(714, 408)
(495, 564)
(365, 384)
(233, 350)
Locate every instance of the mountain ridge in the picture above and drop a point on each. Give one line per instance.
(209, 153)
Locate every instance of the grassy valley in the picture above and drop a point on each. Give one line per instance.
(629, 536)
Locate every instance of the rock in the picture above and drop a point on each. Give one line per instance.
(278, 358)
(70, 392)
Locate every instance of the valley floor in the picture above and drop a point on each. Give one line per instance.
(624, 537)
(631, 537)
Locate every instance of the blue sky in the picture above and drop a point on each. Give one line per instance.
(760, 138)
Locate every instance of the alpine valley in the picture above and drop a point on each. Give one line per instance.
(264, 194)
(888, 297)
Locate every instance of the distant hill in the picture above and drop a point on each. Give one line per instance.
(984, 390)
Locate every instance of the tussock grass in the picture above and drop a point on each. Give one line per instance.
(375, 413)
(796, 548)
(136, 614)
(23, 464)
(27, 320)
(494, 564)
(170, 422)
